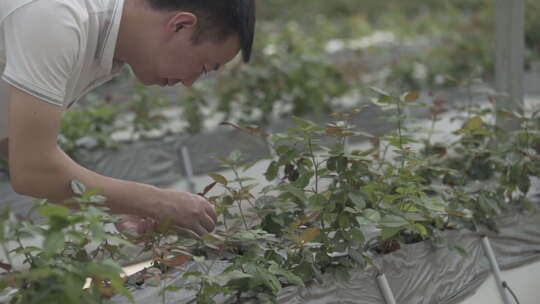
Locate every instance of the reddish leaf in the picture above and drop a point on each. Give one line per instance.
(250, 130)
(533, 157)
(5, 266)
(176, 261)
(410, 97)
(455, 212)
(310, 234)
(226, 123)
(334, 131)
(207, 189)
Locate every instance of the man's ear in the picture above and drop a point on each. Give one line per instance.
(181, 20)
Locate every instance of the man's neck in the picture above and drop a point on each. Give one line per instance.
(4, 151)
(137, 18)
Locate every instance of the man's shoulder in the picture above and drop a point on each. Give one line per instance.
(74, 10)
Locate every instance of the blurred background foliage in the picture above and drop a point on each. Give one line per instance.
(311, 58)
(310, 54)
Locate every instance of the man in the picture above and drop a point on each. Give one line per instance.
(54, 51)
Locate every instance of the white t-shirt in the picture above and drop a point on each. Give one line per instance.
(56, 50)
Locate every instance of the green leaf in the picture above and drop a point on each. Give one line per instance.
(433, 204)
(358, 200)
(344, 221)
(271, 281)
(119, 287)
(91, 192)
(291, 277)
(220, 179)
(51, 210)
(294, 191)
(351, 210)
(233, 275)
(358, 236)
(317, 202)
(53, 242)
(272, 171)
(362, 221)
(372, 215)
(97, 231)
(387, 233)
(342, 164)
(331, 163)
(77, 187)
(380, 91)
(302, 123)
(420, 229)
(97, 199)
(393, 221)
(410, 97)
(474, 126)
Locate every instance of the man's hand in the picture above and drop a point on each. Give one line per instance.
(39, 168)
(136, 224)
(185, 210)
(182, 209)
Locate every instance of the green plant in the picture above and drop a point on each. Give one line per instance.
(146, 110)
(89, 126)
(326, 208)
(57, 270)
(312, 217)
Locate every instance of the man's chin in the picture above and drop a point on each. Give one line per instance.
(147, 81)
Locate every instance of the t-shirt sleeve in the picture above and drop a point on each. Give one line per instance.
(42, 42)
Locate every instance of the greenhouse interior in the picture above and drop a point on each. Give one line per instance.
(321, 152)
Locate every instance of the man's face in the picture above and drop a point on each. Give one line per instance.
(177, 59)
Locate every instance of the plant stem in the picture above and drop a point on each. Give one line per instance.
(431, 131)
(241, 184)
(469, 98)
(242, 215)
(225, 222)
(400, 135)
(315, 165)
(28, 256)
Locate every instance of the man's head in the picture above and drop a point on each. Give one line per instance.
(170, 41)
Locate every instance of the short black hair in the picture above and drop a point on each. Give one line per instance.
(217, 19)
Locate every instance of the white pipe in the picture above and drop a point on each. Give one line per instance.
(385, 289)
(188, 168)
(495, 268)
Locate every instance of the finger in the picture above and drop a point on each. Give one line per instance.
(187, 233)
(211, 211)
(127, 223)
(201, 231)
(207, 223)
(147, 225)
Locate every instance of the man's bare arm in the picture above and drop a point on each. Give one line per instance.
(39, 168)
